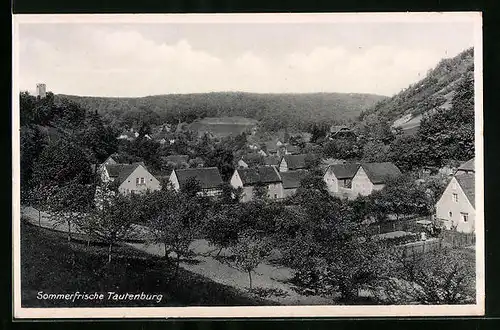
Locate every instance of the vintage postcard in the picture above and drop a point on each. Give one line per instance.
(248, 165)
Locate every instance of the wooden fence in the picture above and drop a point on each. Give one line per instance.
(421, 247)
(406, 224)
(455, 239)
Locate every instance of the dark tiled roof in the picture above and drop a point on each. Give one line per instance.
(295, 162)
(344, 171)
(468, 165)
(272, 160)
(175, 159)
(292, 149)
(291, 179)
(379, 172)
(208, 177)
(262, 174)
(121, 172)
(467, 183)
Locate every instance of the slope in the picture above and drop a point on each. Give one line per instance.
(406, 109)
(274, 111)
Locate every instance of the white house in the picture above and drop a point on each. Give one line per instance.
(130, 178)
(291, 181)
(249, 178)
(467, 167)
(372, 176)
(338, 179)
(456, 207)
(292, 162)
(208, 177)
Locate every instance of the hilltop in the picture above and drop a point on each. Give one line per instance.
(273, 111)
(434, 92)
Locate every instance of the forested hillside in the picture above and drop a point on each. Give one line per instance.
(274, 111)
(435, 91)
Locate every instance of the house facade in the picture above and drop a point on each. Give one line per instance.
(208, 177)
(372, 176)
(456, 207)
(291, 181)
(249, 178)
(130, 178)
(339, 179)
(292, 162)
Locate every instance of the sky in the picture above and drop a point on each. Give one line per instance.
(131, 60)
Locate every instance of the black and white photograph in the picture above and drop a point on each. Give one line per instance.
(247, 165)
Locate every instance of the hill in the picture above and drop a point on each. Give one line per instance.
(434, 92)
(273, 111)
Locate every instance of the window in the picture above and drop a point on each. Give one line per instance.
(348, 183)
(143, 181)
(275, 196)
(465, 216)
(136, 181)
(450, 214)
(455, 197)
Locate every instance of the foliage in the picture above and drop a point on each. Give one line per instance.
(221, 227)
(440, 277)
(402, 196)
(250, 251)
(111, 219)
(375, 151)
(274, 111)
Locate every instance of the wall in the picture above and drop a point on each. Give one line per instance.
(129, 185)
(289, 192)
(275, 190)
(283, 166)
(173, 180)
(361, 183)
(331, 181)
(445, 205)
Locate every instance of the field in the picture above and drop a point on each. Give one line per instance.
(52, 265)
(223, 126)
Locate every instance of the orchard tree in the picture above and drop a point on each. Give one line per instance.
(111, 219)
(375, 151)
(221, 228)
(250, 251)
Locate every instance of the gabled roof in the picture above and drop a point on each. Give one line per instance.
(291, 179)
(379, 172)
(467, 166)
(115, 170)
(272, 160)
(175, 158)
(261, 174)
(295, 162)
(467, 183)
(292, 149)
(208, 177)
(343, 171)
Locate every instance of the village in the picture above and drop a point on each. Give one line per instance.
(269, 214)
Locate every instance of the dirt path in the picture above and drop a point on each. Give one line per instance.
(265, 275)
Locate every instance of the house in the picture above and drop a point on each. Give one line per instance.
(341, 132)
(291, 181)
(272, 161)
(456, 207)
(467, 167)
(249, 178)
(339, 177)
(372, 176)
(291, 150)
(175, 160)
(208, 177)
(292, 162)
(130, 178)
(241, 163)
